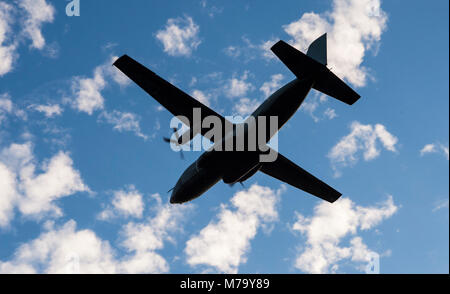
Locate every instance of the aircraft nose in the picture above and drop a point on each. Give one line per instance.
(182, 193)
(175, 198)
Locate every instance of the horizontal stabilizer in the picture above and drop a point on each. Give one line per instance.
(304, 66)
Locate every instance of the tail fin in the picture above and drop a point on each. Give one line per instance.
(314, 64)
(318, 49)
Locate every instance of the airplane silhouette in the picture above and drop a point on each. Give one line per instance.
(238, 166)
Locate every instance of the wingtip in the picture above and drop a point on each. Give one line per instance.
(336, 197)
(355, 98)
(276, 45)
(120, 60)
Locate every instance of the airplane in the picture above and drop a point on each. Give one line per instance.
(232, 167)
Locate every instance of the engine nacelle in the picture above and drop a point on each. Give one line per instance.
(250, 173)
(243, 164)
(210, 159)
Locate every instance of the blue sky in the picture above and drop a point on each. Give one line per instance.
(84, 171)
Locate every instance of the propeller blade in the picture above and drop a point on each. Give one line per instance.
(168, 140)
(177, 137)
(232, 184)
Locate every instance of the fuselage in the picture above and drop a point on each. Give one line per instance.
(237, 166)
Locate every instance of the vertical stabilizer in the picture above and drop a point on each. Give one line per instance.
(318, 49)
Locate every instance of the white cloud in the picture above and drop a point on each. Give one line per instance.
(8, 194)
(353, 27)
(37, 13)
(7, 52)
(364, 138)
(440, 204)
(126, 203)
(129, 203)
(67, 249)
(387, 139)
(238, 87)
(116, 75)
(123, 121)
(87, 96)
(157, 126)
(148, 262)
(310, 107)
(64, 250)
(330, 226)
(34, 13)
(180, 36)
(142, 239)
(211, 10)
(445, 150)
(224, 243)
(429, 148)
(232, 51)
(48, 110)
(35, 194)
(201, 96)
(87, 92)
(17, 156)
(312, 104)
(330, 113)
(250, 51)
(265, 48)
(434, 148)
(7, 56)
(271, 86)
(7, 107)
(52, 50)
(245, 106)
(59, 179)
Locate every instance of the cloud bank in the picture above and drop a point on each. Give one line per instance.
(30, 16)
(330, 226)
(35, 194)
(223, 244)
(68, 250)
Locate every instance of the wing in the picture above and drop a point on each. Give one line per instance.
(286, 171)
(173, 99)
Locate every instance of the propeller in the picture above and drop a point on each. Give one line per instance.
(176, 142)
(232, 184)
